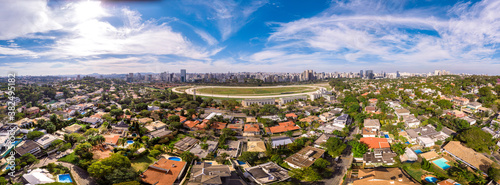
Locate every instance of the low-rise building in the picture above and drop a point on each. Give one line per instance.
(281, 141)
(372, 124)
(411, 121)
(38, 176)
(468, 156)
(285, 100)
(256, 146)
(248, 102)
(28, 146)
(401, 112)
(305, 157)
(382, 176)
(341, 121)
(379, 156)
(46, 140)
(266, 173)
(202, 153)
(251, 130)
(159, 133)
(208, 174)
(282, 127)
(186, 143)
(164, 172)
(72, 128)
(327, 116)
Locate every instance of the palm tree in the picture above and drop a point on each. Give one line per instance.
(121, 141)
(99, 139)
(136, 145)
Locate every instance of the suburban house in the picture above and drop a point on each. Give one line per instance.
(186, 143)
(46, 140)
(401, 112)
(411, 121)
(409, 155)
(281, 141)
(163, 172)
(202, 153)
(341, 121)
(159, 133)
(382, 176)
(468, 156)
(251, 130)
(379, 156)
(191, 124)
(266, 173)
(327, 116)
(282, 127)
(72, 128)
(233, 148)
(256, 146)
(305, 157)
(28, 146)
(428, 131)
(375, 142)
(206, 173)
(38, 176)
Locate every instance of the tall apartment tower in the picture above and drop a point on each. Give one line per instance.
(183, 75)
(361, 73)
(369, 74)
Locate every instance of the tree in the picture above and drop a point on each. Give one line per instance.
(358, 148)
(249, 157)
(494, 173)
(334, 146)
(187, 156)
(399, 148)
(99, 170)
(321, 163)
(34, 134)
(154, 153)
(305, 174)
(116, 113)
(128, 183)
(476, 139)
(84, 151)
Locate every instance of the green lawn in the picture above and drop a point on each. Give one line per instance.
(70, 158)
(142, 163)
(414, 173)
(255, 91)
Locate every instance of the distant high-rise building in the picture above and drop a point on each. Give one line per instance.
(397, 74)
(308, 75)
(183, 75)
(78, 77)
(369, 74)
(361, 73)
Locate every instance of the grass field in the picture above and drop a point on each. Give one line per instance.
(142, 163)
(255, 91)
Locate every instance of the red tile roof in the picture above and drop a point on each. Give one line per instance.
(219, 125)
(191, 124)
(251, 128)
(375, 142)
(163, 172)
(293, 115)
(283, 127)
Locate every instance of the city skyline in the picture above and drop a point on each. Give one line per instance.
(84, 37)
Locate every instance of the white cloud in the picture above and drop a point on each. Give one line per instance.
(19, 18)
(229, 15)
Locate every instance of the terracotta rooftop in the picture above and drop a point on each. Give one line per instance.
(163, 172)
(219, 125)
(375, 142)
(191, 124)
(283, 127)
(112, 139)
(251, 128)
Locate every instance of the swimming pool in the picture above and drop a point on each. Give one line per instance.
(418, 151)
(441, 163)
(240, 162)
(130, 142)
(431, 179)
(65, 178)
(174, 158)
(386, 136)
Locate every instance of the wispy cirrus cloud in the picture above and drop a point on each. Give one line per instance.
(389, 34)
(228, 15)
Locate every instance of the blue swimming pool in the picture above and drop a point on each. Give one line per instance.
(240, 162)
(65, 178)
(130, 142)
(418, 151)
(431, 179)
(386, 136)
(174, 158)
(441, 163)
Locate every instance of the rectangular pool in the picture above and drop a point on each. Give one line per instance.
(418, 151)
(65, 178)
(441, 163)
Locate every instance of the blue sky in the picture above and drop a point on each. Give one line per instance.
(40, 37)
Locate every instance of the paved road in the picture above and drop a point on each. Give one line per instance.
(190, 91)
